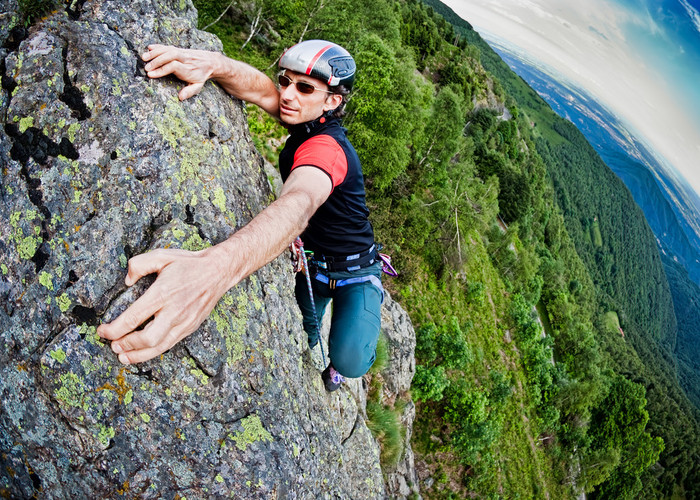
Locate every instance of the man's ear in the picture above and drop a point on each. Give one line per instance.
(332, 101)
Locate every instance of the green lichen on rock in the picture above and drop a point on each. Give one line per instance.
(203, 377)
(90, 334)
(231, 325)
(177, 131)
(105, 434)
(253, 431)
(116, 89)
(59, 355)
(25, 123)
(88, 366)
(28, 246)
(45, 280)
(72, 392)
(195, 243)
(173, 125)
(219, 199)
(63, 302)
(73, 130)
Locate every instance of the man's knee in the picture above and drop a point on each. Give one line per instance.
(353, 352)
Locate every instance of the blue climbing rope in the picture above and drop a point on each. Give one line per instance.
(305, 269)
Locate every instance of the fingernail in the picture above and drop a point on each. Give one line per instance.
(123, 359)
(117, 348)
(148, 67)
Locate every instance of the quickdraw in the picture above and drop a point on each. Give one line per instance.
(387, 268)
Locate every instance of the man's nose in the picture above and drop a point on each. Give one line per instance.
(288, 92)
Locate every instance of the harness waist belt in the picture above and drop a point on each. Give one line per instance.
(347, 262)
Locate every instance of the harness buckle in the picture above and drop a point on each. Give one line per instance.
(331, 283)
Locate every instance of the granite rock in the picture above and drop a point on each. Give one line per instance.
(100, 163)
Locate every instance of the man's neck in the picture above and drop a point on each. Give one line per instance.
(308, 127)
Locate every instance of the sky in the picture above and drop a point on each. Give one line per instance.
(639, 58)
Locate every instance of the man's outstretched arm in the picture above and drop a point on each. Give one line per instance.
(189, 284)
(195, 67)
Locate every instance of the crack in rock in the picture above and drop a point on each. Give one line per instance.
(71, 94)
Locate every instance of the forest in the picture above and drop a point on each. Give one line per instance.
(543, 312)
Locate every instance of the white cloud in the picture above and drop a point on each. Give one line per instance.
(692, 13)
(586, 43)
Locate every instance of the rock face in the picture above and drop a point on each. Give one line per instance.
(100, 163)
(401, 480)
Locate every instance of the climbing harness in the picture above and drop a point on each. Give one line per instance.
(348, 263)
(333, 284)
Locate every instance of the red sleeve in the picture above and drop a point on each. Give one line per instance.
(324, 152)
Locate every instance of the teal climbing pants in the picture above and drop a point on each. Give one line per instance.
(355, 320)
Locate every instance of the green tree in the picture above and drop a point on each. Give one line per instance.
(382, 111)
(621, 417)
(596, 467)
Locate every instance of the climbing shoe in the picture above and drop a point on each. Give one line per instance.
(332, 379)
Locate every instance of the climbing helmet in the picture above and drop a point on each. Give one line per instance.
(327, 61)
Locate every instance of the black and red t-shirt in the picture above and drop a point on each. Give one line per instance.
(340, 226)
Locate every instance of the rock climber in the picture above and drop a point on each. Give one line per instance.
(322, 198)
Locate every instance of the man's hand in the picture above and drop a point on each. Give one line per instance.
(190, 284)
(194, 67)
(188, 287)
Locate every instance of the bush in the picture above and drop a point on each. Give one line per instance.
(501, 388)
(453, 347)
(468, 410)
(429, 383)
(426, 343)
(475, 292)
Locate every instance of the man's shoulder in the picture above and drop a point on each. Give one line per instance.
(321, 140)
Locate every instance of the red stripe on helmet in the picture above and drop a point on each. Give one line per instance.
(316, 58)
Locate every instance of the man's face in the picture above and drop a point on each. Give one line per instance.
(296, 107)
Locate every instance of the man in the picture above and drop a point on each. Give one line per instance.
(322, 196)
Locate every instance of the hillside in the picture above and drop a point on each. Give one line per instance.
(686, 298)
(665, 207)
(653, 330)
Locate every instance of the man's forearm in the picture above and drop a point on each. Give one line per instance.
(265, 237)
(246, 82)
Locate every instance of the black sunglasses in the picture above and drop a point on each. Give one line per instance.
(304, 88)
